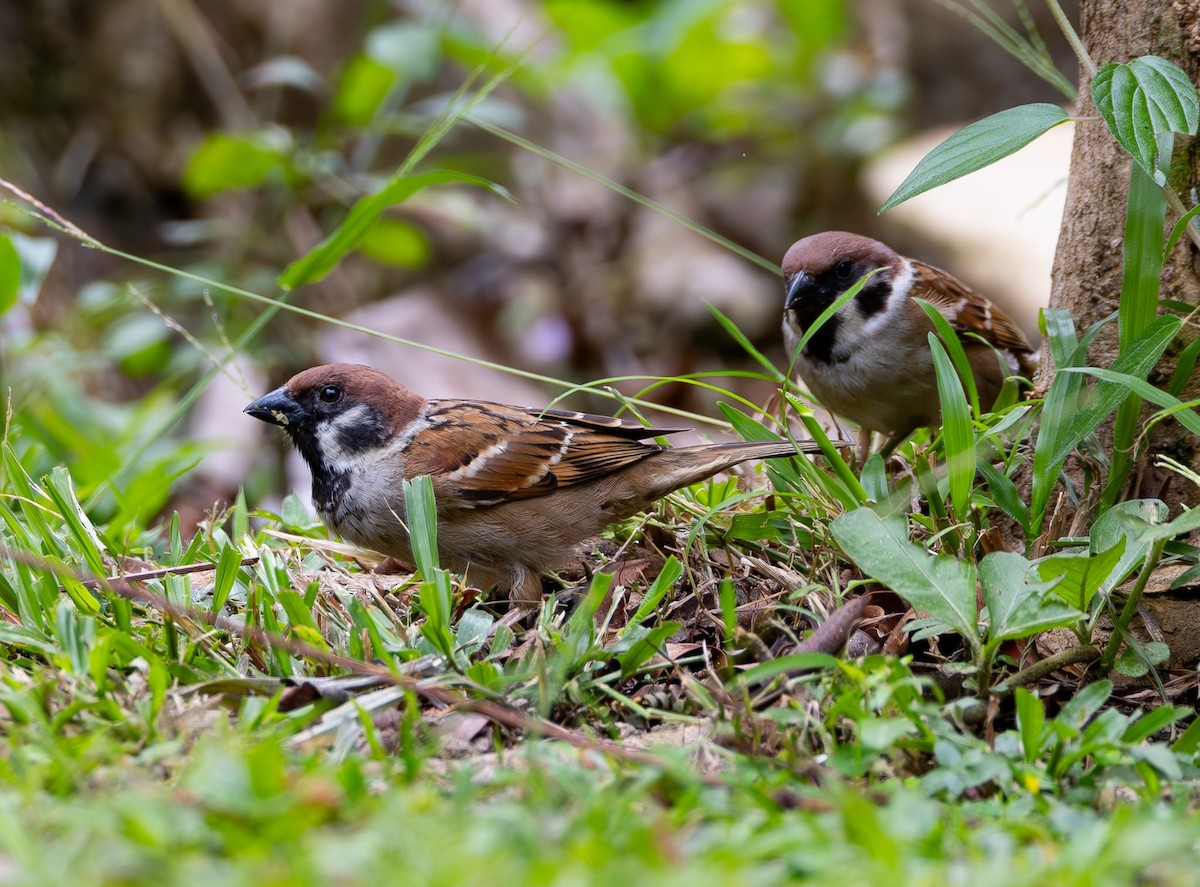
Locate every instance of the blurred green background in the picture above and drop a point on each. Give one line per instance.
(225, 139)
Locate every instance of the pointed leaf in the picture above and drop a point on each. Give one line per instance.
(1018, 608)
(1078, 576)
(940, 586)
(977, 145)
(323, 258)
(1142, 100)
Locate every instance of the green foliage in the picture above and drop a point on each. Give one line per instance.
(1143, 101)
(10, 274)
(975, 146)
(353, 702)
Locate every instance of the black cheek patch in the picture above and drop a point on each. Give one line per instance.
(367, 434)
(872, 298)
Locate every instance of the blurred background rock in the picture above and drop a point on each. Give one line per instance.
(226, 137)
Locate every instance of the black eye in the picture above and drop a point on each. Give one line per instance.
(330, 393)
(844, 269)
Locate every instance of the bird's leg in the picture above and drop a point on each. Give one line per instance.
(526, 588)
(894, 441)
(864, 446)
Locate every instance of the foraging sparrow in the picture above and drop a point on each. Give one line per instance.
(516, 489)
(871, 362)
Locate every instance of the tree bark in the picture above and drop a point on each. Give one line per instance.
(1087, 267)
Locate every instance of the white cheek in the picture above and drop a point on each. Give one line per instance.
(329, 436)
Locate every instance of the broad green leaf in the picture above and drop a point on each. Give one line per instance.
(229, 564)
(878, 734)
(943, 587)
(361, 90)
(411, 49)
(61, 490)
(1147, 528)
(396, 242)
(1142, 100)
(1123, 521)
(1077, 576)
(1141, 271)
(1189, 741)
(363, 216)
(474, 627)
(35, 255)
(10, 274)
(957, 434)
(1016, 607)
(229, 162)
(977, 145)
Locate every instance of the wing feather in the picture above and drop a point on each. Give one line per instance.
(501, 453)
(965, 310)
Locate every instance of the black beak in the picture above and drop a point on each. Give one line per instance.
(277, 408)
(798, 288)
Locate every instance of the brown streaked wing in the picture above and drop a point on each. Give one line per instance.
(483, 453)
(610, 424)
(964, 309)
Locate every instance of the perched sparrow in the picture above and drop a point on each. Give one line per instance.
(516, 489)
(870, 362)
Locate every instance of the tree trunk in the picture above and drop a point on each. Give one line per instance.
(1087, 266)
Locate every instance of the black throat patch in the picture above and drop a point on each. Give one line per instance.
(820, 347)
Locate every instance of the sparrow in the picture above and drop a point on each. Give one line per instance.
(870, 362)
(516, 488)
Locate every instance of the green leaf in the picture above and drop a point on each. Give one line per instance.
(1065, 423)
(227, 162)
(671, 570)
(1189, 740)
(943, 587)
(421, 514)
(1153, 721)
(1143, 389)
(396, 242)
(1077, 576)
(362, 89)
(1031, 718)
(977, 145)
(1005, 494)
(10, 274)
(363, 216)
(957, 434)
(955, 350)
(784, 665)
(1017, 608)
(646, 647)
(1124, 521)
(1148, 529)
(1080, 707)
(1141, 271)
(1142, 100)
